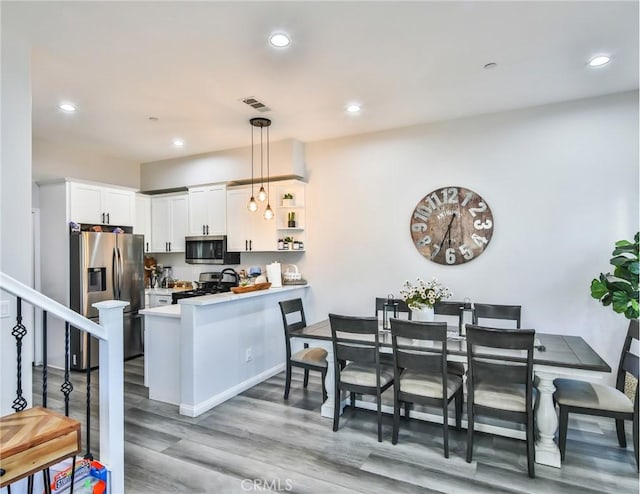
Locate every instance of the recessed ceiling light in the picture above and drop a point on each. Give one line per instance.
(67, 107)
(178, 143)
(353, 108)
(599, 61)
(279, 40)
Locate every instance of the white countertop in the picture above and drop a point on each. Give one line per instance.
(218, 298)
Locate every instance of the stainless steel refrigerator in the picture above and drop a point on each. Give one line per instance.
(106, 266)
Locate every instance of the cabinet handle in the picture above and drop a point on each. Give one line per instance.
(108, 220)
(147, 246)
(250, 246)
(207, 230)
(103, 218)
(169, 246)
(246, 245)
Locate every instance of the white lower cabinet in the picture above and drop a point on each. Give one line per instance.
(156, 300)
(169, 220)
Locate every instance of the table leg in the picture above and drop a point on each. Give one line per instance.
(547, 452)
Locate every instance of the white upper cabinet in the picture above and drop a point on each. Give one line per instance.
(169, 219)
(142, 224)
(208, 210)
(247, 231)
(90, 203)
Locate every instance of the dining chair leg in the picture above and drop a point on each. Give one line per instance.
(324, 388)
(622, 440)
(396, 420)
(563, 420)
(458, 404)
(336, 407)
(445, 427)
(352, 399)
(531, 452)
(379, 400)
(636, 449)
(287, 382)
(306, 378)
(469, 433)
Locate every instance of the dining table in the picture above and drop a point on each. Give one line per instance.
(555, 355)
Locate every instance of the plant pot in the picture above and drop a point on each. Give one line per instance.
(291, 224)
(425, 314)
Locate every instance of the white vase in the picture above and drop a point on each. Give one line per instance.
(425, 314)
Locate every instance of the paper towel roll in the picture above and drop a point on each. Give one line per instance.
(274, 274)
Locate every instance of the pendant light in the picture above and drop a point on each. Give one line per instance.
(268, 213)
(252, 205)
(262, 193)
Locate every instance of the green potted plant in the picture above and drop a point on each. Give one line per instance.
(620, 289)
(289, 242)
(287, 199)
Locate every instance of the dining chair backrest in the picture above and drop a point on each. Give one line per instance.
(485, 364)
(628, 361)
(449, 308)
(495, 311)
(293, 319)
(403, 308)
(408, 355)
(347, 337)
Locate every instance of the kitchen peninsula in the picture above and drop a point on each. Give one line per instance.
(205, 350)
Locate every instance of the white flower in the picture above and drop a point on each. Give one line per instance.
(424, 293)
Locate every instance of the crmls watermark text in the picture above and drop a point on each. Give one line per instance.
(262, 485)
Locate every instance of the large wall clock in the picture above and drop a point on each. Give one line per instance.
(452, 225)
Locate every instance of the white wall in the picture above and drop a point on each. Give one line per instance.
(562, 183)
(52, 160)
(15, 202)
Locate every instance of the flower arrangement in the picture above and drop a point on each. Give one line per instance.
(424, 293)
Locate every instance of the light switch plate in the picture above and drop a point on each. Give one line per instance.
(4, 308)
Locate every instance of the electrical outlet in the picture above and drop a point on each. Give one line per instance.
(248, 355)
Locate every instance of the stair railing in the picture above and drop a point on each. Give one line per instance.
(110, 335)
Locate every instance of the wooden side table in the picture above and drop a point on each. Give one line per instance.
(33, 440)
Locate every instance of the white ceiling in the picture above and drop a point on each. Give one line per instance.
(190, 63)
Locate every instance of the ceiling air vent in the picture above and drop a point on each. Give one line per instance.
(255, 104)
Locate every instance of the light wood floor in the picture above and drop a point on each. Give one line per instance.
(257, 442)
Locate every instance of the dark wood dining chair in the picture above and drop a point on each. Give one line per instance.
(313, 358)
(403, 308)
(494, 311)
(451, 309)
(420, 373)
(575, 396)
(357, 366)
(499, 388)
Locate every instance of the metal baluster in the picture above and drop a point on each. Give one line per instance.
(19, 332)
(88, 454)
(66, 387)
(45, 364)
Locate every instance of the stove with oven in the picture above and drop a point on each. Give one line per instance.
(210, 283)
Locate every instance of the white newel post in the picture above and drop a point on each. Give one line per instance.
(112, 392)
(547, 452)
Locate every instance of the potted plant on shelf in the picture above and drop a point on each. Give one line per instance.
(291, 219)
(288, 242)
(287, 199)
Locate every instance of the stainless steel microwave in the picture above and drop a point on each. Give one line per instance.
(209, 249)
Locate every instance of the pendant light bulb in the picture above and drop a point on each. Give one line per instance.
(268, 213)
(262, 194)
(252, 205)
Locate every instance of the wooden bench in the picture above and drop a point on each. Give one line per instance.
(35, 439)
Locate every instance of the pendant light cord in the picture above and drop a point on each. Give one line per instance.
(261, 159)
(268, 201)
(252, 161)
